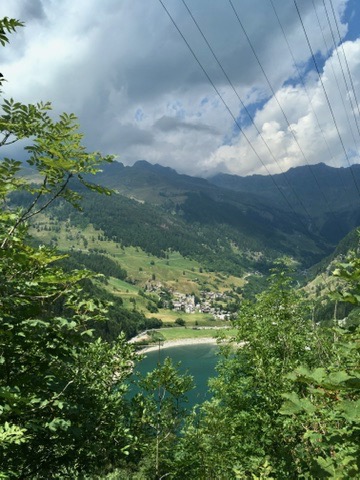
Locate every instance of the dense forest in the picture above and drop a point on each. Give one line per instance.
(286, 398)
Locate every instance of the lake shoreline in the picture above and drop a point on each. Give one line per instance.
(178, 343)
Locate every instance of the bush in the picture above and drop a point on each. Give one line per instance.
(180, 321)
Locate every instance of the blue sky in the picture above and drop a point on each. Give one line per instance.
(352, 17)
(139, 93)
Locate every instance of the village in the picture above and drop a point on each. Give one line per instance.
(188, 304)
(208, 302)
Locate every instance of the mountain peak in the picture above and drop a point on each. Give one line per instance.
(155, 167)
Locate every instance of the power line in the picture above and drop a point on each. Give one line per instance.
(333, 69)
(326, 95)
(279, 105)
(229, 110)
(341, 68)
(304, 86)
(347, 66)
(243, 105)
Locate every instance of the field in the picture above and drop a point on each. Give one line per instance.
(178, 333)
(174, 272)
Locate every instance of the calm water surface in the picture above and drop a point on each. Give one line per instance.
(198, 360)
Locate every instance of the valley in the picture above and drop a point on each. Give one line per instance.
(149, 283)
(187, 252)
(158, 324)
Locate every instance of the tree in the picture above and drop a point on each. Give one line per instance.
(157, 415)
(323, 406)
(180, 321)
(240, 432)
(62, 408)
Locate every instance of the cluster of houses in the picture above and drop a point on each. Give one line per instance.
(206, 304)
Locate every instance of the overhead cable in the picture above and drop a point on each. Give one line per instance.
(244, 106)
(230, 112)
(280, 106)
(300, 76)
(326, 95)
(347, 65)
(336, 51)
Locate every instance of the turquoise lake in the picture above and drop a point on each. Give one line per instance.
(197, 360)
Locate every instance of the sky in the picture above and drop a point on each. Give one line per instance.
(141, 78)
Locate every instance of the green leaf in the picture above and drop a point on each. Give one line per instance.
(326, 464)
(350, 410)
(58, 424)
(339, 377)
(295, 405)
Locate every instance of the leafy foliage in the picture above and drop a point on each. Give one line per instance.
(62, 408)
(157, 415)
(326, 412)
(286, 400)
(241, 432)
(8, 25)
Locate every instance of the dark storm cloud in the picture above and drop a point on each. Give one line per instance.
(123, 68)
(127, 135)
(31, 9)
(167, 124)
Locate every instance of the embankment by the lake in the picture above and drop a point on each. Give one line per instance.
(179, 342)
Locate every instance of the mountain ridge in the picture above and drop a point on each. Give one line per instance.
(158, 210)
(327, 193)
(161, 212)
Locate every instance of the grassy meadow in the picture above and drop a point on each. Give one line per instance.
(174, 272)
(179, 333)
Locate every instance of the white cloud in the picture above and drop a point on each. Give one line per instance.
(125, 71)
(318, 143)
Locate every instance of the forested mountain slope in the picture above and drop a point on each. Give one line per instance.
(331, 195)
(238, 227)
(225, 235)
(322, 202)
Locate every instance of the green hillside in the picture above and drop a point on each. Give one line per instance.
(180, 233)
(330, 195)
(184, 234)
(222, 227)
(84, 276)
(323, 202)
(129, 271)
(189, 214)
